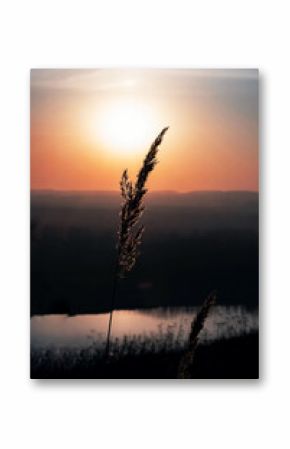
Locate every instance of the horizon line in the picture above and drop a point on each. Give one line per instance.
(52, 190)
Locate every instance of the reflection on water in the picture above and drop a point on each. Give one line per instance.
(63, 331)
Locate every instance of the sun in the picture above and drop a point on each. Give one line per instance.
(126, 126)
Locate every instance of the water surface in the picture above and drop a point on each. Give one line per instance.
(60, 331)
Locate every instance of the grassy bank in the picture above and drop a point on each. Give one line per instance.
(234, 358)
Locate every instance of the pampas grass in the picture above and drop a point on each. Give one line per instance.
(129, 239)
(186, 362)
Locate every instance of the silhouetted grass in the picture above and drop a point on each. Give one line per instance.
(186, 362)
(132, 209)
(144, 358)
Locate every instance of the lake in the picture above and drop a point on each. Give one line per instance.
(63, 331)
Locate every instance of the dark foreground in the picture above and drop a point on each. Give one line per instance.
(235, 358)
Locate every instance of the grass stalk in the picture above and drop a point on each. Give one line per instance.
(129, 239)
(186, 362)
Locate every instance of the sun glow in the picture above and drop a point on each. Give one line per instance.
(126, 126)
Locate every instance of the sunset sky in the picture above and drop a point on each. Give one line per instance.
(88, 125)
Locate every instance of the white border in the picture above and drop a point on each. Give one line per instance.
(163, 34)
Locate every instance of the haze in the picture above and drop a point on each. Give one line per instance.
(88, 125)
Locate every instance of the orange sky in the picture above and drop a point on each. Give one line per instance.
(88, 125)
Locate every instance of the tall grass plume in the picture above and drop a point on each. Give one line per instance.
(186, 362)
(130, 238)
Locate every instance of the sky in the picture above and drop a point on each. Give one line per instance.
(87, 126)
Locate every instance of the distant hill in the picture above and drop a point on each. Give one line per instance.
(195, 198)
(180, 211)
(193, 242)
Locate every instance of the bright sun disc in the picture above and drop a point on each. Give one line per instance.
(126, 126)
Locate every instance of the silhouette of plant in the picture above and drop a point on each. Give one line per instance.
(131, 211)
(186, 362)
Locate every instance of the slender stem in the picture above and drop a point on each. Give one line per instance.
(115, 282)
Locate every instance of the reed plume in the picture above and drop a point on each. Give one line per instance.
(186, 362)
(129, 239)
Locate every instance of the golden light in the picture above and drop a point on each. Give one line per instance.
(126, 126)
